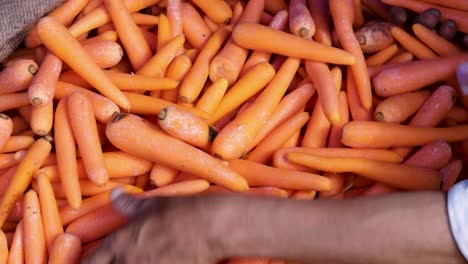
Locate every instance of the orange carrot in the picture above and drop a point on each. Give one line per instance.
(396, 175)
(342, 13)
(304, 195)
(456, 113)
(83, 124)
(358, 20)
(176, 70)
(65, 249)
(6, 127)
(42, 118)
(162, 175)
(16, 255)
(434, 155)
(413, 45)
(126, 130)
(105, 53)
(57, 38)
(19, 125)
(219, 11)
(193, 83)
(15, 143)
(157, 65)
(450, 174)
(35, 250)
(258, 174)
(317, 130)
(274, 6)
(437, 43)
(135, 82)
(402, 58)
(212, 26)
(65, 147)
(22, 177)
(3, 247)
(397, 108)
(17, 76)
(91, 5)
(144, 19)
(194, 27)
(320, 11)
(300, 19)
(164, 31)
(73, 78)
(212, 96)
(412, 76)
(42, 88)
(336, 129)
(184, 188)
(237, 11)
(7, 160)
(366, 134)
(382, 56)
(357, 111)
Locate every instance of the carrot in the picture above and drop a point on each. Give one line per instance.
(75, 79)
(19, 125)
(35, 250)
(437, 43)
(434, 155)
(249, 261)
(275, 6)
(266, 148)
(164, 31)
(402, 58)
(65, 147)
(3, 247)
(357, 111)
(212, 96)
(174, 15)
(144, 19)
(102, 106)
(232, 142)
(450, 174)
(42, 88)
(366, 134)
(336, 129)
(456, 113)
(413, 76)
(413, 45)
(358, 20)
(300, 19)
(229, 61)
(382, 56)
(22, 177)
(65, 249)
(270, 191)
(15, 143)
(17, 76)
(395, 175)
(374, 36)
(342, 13)
(162, 175)
(57, 39)
(317, 130)
(7, 160)
(258, 174)
(83, 124)
(16, 255)
(142, 181)
(91, 5)
(212, 26)
(194, 27)
(134, 82)
(456, 4)
(184, 188)
(6, 128)
(459, 16)
(253, 36)
(237, 11)
(219, 11)
(42, 118)
(320, 11)
(196, 77)
(157, 65)
(125, 131)
(397, 108)
(177, 71)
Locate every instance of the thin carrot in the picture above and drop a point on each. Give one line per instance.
(184, 188)
(3, 248)
(15, 143)
(195, 79)
(456, 113)
(300, 19)
(320, 11)
(415, 75)
(87, 187)
(258, 174)
(17, 76)
(434, 155)
(402, 58)
(382, 56)
(398, 108)
(437, 43)
(395, 175)
(35, 250)
(358, 20)
(413, 45)
(274, 6)
(57, 38)
(317, 130)
(194, 27)
(7, 160)
(164, 31)
(336, 129)
(135, 82)
(210, 23)
(237, 11)
(19, 125)
(16, 255)
(450, 174)
(65, 249)
(157, 65)
(357, 111)
(212, 96)
(219, 11)
(22, 177)
(177, 71)
(342, 13)
(144, 19)
(6, 128)
(42, 88)
(42, 118)
(83, 124)
(162, 175)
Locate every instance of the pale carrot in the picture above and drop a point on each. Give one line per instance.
(175, 17)
(300, 19)
(258, 174)
(65, 249)
(411, 44)
(450, 173)
(35, 249)
(83, 124)
(398, 108)
(176, 70)
(190, 187)
(401, 58)
(42, 88)
(382, 56)
(219, 11)
(6, 128)
(342, 14)
(157, 65)
(57, 39)
(395, 175)
(16, 255)
(19, 125)
(212, 96)
(164, 31)
(434, 155)
(357, 111)
(15, 143)
(437, 43)
(17, 76)
(194, 27)
(42, 118)
(456, 113)
(320, 11)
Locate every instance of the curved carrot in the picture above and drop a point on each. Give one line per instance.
(42, 118)
(434, 155)
(300, 19)
(83, 124)
(162, 175)
(366, 134)
(456, 113)
(126, 131)
(42, 88)
(65, 249)
(395, 175)
(415, 75)
(22, 177)
(164, 31)
(212, 96)
(15, 143)
(342, 14)
(437, 43)
(320, 11)
(195, 29)
(16, 255)
(196, 77)
(6, 128)
(17, 76)
(19, 125)
(402, 58)
(157, 65)
(382, 56)
(190, 187)
(397, 108)
(219, 11)
(35, 249)
(413, 45)
(253, 36)
(261, 175)
(450, 174)
(177, 71)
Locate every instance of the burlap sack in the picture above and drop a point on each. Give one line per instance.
(17, 18)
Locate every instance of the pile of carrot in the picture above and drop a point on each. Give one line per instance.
(259, 97)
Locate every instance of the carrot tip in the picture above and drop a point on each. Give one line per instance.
(3, 116)
(36, 101)
(41, 132)
(118, 116)
(162, 114)
(48, 138)
(32, 69)
(303, 32)
(362, 40)
(379, 116)
(183, 99)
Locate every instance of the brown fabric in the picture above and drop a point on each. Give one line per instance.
(17, 17)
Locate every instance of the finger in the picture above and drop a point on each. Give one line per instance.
(101, 256)
(124, 203)
(462, 76)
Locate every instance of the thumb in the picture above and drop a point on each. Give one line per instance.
(124, 203)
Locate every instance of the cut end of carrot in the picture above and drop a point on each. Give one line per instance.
(48, 138)
(118, 116)
(41, 132)
(32, 69)
(184, 99)
(36, 101)
(379, 116)
(162, 114)
(303, 32)
(362, 40)
(3, 116)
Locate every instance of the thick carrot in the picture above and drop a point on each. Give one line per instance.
(456, 113)
(411, 44)
(16, 255)
(229, 61)
(258, 174)
(434, 155)
(395, 175)
(57, 38)
(176, 70)
(162, 175)
(300, 19)
(19, 125)
(459, 16)
(65, 249)
(342, 13)
(42, 118)
(22, 177)
(401, 58)
(365, 134)
(382, 56)
(450, 174)
(35, 250)
(42, 88)
(157, 65)
(194, 27)
(254, 36)
(190, 187)
(126, 130)
(196, 77)
(398, 108)
(437, 43)
(17, 76)
(164, 31)
(212, 96)
(6, 128)
(83, 124)
(415, 75)
(15, 143)
(233, 142)
(219, 11)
